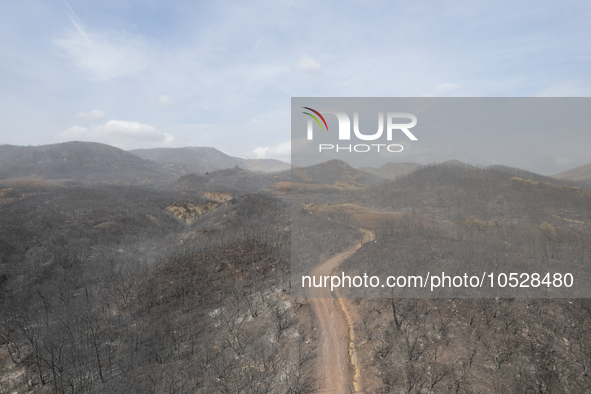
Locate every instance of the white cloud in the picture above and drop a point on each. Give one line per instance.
(92, 115)
(281, 151)
(119, 133)
(307, 65)
(163, 101)
(103, 56)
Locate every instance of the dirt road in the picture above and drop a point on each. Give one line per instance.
(336, 372)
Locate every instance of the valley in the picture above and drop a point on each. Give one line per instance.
(124, 274)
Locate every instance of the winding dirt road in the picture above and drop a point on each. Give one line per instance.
(335, 364)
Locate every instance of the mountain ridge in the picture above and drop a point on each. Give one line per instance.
(91, 162)
(80, 161)
(188, 160)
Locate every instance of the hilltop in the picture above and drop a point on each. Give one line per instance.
(581, 174)
(335, 173)
(324, 180)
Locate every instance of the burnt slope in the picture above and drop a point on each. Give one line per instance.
(234, 180)
(392, 170)
(498, 192)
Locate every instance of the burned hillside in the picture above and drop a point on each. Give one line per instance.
(491, 193)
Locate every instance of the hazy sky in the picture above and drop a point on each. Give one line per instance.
(205, 73)
(545, 135)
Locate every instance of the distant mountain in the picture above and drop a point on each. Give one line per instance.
(198, 160)
(580, 174)
(392, 170)
(264, 165)
(79, 161)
